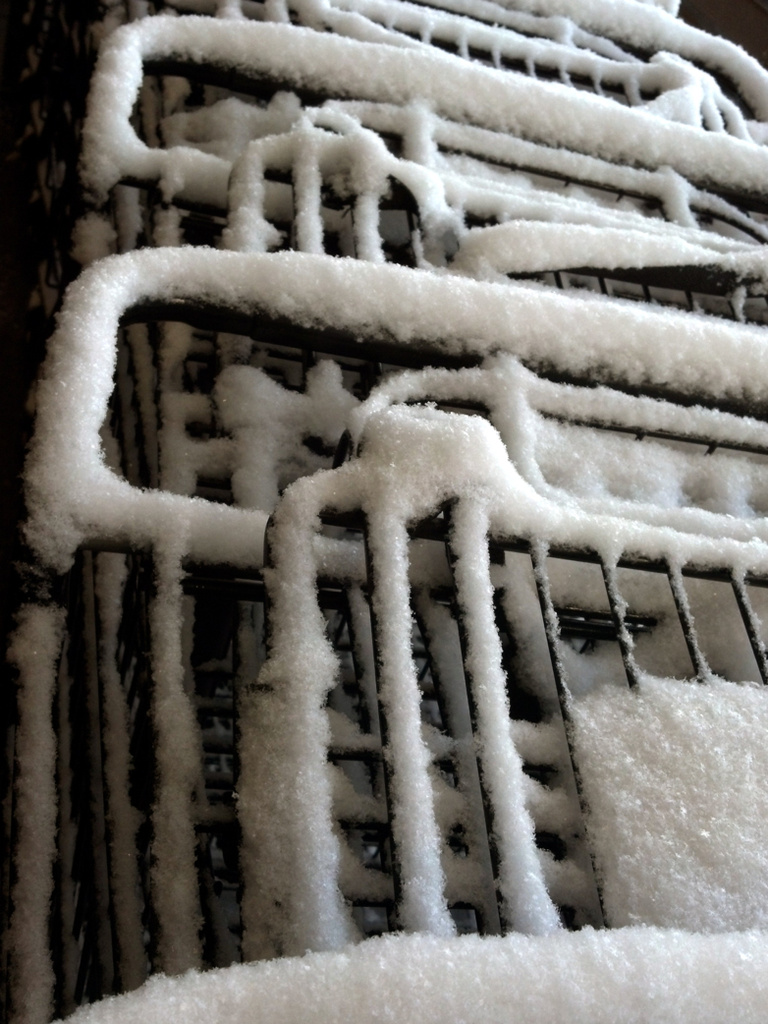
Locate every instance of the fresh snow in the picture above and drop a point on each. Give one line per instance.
(542, 739)
(632, 974)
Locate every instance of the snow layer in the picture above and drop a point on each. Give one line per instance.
(642, 975)
(675, 847)
(579, 447)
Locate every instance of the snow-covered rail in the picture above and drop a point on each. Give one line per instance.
(422, 598)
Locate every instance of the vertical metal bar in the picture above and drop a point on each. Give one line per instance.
(387, 768)
(371, 720)
(362, 647)
(416, 851)
(493, 847)
(99, 837)
(445, 668)
(699, 662)
(176, 744)
(275, 813)
(526, 904)
(63, 941)
(617, 607)
(750, 621)
(107, 805)
(538, 553)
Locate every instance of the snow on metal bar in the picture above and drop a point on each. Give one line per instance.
(461, 691)
(324, 66)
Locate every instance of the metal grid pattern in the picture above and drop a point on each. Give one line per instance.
(223, 644)
(558, 612)
(216, 628)
(503, 39)
(601, 193)
(227, 626)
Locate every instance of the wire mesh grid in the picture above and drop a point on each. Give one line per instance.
(560, 617)
(508, 175)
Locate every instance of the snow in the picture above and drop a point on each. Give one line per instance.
(34, 651)
(643, 974)
(544, 540)
(345, 68)
(660, 838)
(124, 821)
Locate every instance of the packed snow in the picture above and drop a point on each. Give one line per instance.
(632, 974)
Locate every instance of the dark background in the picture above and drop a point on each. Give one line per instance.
(743, 21)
